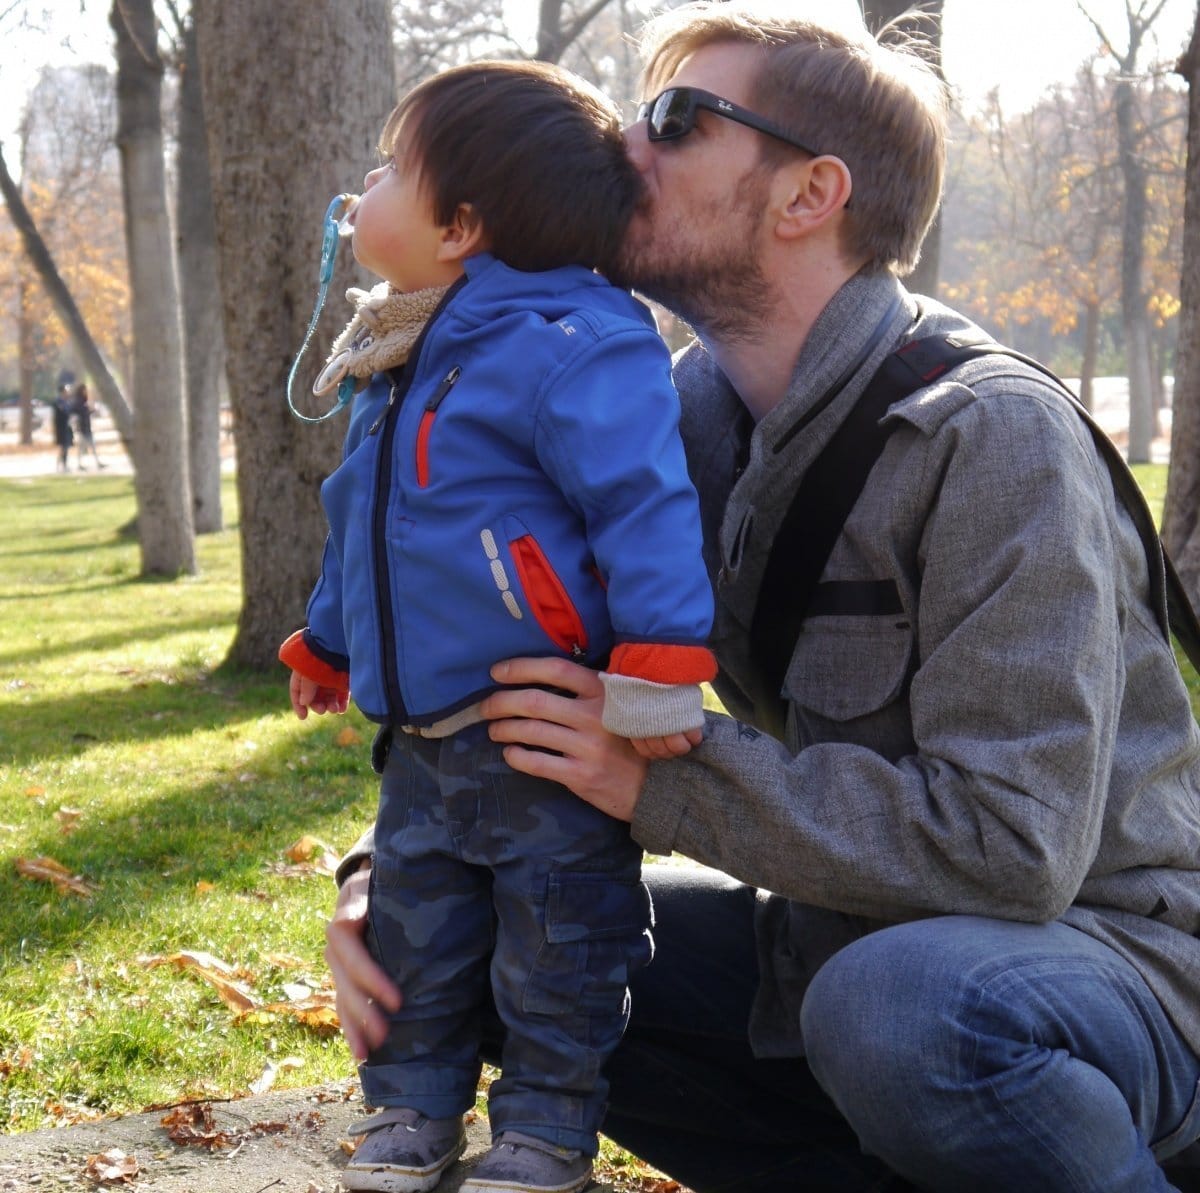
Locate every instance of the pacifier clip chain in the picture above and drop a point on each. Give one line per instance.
(336, 215)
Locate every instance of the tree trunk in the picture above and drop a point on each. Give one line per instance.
(203, 336)
(164, 517)
(927, 22)
(1181, 514)
(294, 99)
(24, 362)
(94, 364)
(1135, 320)
(1091, 350)
(1158, 393)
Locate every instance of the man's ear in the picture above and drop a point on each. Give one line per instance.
(463, 237)
(809, 193)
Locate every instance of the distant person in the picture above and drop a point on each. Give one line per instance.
(513, 483)
(63, 435)
(83, 410)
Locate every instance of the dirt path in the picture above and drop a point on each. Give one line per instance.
(285, 1142)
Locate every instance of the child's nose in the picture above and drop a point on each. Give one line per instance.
(637, 146)
(373, 176)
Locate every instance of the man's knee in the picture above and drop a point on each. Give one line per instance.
(867, 1020)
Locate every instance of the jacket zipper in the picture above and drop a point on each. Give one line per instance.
(401, 383)
(425, 429)
(548, 598)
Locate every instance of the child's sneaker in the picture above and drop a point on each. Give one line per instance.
(519, 1163)
(403, 1152)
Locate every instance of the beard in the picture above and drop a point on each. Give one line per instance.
(703, 266)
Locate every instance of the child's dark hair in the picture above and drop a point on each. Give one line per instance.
(533, 149)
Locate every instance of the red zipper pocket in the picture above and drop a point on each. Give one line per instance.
(552, 607)
(425, 428)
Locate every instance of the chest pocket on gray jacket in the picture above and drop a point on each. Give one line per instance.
(848, 681)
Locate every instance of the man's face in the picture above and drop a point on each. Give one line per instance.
(694, 242)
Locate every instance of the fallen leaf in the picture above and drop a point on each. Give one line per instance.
(349, 736)
(193, 1125)
(305, 849)
(284, 961)
(112, 1167)
(19, 1062)
(35, 790)
(316, 1011)
(68, 819)
(212, 970)
(189, 959)
(315, 852)
(46, 869)
(203, 887)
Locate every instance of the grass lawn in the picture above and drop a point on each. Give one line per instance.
(174, 788)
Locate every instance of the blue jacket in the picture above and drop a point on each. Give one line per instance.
(517, 488)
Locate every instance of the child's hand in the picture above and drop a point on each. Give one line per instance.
(675, 745)
(309, 696)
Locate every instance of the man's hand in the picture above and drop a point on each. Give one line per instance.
(364, 992)
(597, 766)
(309, 696)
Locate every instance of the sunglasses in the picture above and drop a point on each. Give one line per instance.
(672, 115)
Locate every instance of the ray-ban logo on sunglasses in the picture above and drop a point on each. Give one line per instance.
(724, 105)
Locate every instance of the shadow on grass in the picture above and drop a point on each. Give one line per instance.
(114, 641)
(224, 828)
(144, 708)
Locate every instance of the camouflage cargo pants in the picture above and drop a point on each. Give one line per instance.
(484, 875)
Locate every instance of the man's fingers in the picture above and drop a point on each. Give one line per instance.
(551, 672)
(546, 735)
(532, 705)
(541, 765)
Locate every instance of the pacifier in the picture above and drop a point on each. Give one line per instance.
(344, 227)
(337, 227)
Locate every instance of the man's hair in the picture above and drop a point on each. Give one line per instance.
(876, 104)
(536, 152)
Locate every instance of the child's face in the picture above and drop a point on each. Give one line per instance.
(395, 235)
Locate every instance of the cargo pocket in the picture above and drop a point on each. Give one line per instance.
(596, 934)
(848, 667)
(545, 593)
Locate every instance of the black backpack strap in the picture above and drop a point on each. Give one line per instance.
(834, 481)
(823, 502)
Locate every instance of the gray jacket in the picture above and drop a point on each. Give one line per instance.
(1018, 743)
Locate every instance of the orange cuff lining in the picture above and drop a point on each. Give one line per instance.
(663, 664)
(295, 653)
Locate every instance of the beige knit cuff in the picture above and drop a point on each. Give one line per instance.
(642, 708)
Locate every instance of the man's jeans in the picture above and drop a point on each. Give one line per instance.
(967, 1054)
